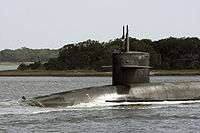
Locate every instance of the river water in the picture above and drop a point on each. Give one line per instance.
(97, 116)
(8, 66)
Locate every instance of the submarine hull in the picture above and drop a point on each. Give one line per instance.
(73, 97)
(150, 92)
(143, 92)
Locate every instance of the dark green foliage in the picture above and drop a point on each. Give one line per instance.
(36, 65)
(89, 54)
(27, 55)
(23, 67)
(143, 45)
(179, 53)
(54, 64)
(85, 55)
(170, 53)
(33, 66)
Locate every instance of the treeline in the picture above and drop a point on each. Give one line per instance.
(170, 53)
(27, 55)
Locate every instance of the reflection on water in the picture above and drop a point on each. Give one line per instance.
(8, 66)
(96, 116)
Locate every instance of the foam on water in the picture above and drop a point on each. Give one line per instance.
(8, 103)
(16, 107)
(101, 102)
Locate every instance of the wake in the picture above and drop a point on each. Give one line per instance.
(10, 107)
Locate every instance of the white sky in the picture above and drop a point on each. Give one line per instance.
(54, 23)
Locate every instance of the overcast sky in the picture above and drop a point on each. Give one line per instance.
(54, 23)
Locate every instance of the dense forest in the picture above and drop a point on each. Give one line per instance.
(27, 55)
(170, 53)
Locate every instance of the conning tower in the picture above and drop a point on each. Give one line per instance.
(129, 67)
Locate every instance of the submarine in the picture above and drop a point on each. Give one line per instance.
(130, 81)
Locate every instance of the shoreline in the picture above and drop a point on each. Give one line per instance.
(51, 73)
(85, 73)
(184, 72)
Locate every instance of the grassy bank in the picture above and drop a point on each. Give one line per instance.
(66, 73)
(175, 72)
(70, 73)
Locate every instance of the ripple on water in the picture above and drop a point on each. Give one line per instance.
(97, 116)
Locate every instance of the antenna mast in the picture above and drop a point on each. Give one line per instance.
(127, 39)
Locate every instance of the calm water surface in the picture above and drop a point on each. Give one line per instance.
(8, 67)
(97, 116)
